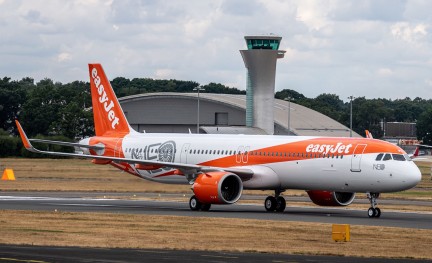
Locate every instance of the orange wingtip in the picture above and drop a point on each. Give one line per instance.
(23, 136)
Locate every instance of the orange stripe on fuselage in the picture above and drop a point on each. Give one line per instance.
(307, 149)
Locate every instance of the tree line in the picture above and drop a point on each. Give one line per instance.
(53, 109)
(369, 113)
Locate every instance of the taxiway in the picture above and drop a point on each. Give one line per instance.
(91, 202)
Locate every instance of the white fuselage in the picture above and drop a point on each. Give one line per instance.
(279, 162)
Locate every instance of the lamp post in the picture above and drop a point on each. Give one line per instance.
(198, 89)
(351, 100)
(289, 112)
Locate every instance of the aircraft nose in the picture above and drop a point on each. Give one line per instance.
(413, 176)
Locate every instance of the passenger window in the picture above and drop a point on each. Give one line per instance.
(398, 157)
(379, 157)
(387, 157)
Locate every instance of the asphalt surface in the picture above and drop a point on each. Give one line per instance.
(37, 254)
(89, 202)
(119, 203)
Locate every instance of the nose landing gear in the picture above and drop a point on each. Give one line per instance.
(373, 211)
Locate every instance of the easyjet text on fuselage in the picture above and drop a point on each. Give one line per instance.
(339, 148)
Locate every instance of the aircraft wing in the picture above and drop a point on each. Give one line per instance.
(72, 144)
(189, 168)
(423, 145)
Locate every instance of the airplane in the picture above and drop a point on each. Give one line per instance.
(417, 156)
(218, 167)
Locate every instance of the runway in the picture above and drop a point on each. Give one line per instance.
(88, 202)
(10, 253)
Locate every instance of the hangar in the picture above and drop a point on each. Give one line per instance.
(257, 112)
(221, 113)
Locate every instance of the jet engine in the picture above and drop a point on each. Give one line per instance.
(218, 188)
(327, 198)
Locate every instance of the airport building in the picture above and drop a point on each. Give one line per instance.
(257, 112)
(260, 61)
(221, 113)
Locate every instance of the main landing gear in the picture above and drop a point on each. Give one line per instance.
(275, 203)
(373, 211)
(196, 205)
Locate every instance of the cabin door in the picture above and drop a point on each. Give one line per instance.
(184, 152)
(356, 157)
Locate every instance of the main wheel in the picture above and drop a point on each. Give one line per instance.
(205, 207)
(270, 203)
(377, 212)
(280, 204)
(372, 212)
(194, 204)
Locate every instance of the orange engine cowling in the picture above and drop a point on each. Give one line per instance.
(218, 188)
(327, 198)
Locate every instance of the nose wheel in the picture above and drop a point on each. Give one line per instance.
(373, 211)
(275, 203)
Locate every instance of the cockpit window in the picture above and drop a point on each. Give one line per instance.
(398, 157)
(379, 157)
(387, 157)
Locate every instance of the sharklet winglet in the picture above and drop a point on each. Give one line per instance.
(24, 138)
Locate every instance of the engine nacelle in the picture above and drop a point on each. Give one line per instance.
(327, 198)
(218, 188)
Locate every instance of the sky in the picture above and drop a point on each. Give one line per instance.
(370, 48)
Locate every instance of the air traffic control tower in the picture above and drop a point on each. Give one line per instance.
(260, 61)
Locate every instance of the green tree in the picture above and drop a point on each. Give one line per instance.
(285, 93)
(329, 104)
(367, 115)
(219, 88)
(41, 108)
(424, 126)
(12, 97)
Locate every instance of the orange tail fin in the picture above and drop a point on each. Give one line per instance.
(109, 119)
